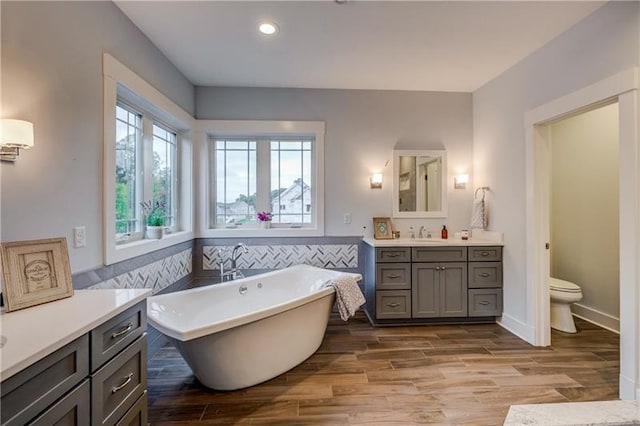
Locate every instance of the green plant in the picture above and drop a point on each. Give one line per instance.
(154, 211)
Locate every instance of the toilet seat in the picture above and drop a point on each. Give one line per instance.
(563, 286)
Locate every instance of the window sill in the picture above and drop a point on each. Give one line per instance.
(262, 233)
(139, 247)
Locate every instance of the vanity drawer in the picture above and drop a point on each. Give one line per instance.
(393, 304)
(116, 334)
(485, 274)
(71, 410)
(485, 254)
(485, 302)
(393, 276)
(117, 385)
(30, 391)
(439, 254)
(137, 415)
(393, 254)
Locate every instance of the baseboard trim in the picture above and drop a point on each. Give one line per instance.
(516, 327)
(596, 317)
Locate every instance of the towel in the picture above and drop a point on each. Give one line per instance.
(479, 214)
(348, 295)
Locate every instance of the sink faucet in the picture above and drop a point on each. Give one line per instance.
(233, 272)
(420, 234)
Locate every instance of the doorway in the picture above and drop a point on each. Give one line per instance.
(623, 89)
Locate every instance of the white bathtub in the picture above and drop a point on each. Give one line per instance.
(232, 338)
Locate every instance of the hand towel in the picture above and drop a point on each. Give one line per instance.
(479, 214)
(349, 298)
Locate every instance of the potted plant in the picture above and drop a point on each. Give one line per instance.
(265, 219)
(155, 214)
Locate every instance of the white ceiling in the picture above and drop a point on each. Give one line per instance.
(443, 46)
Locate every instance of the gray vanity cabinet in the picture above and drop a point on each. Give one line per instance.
(432, 284)
(98, 379)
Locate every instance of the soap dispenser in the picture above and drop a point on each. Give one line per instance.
(444, 233)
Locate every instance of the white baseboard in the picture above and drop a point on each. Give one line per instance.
(596, 317)
(628, 389)
(516, 327)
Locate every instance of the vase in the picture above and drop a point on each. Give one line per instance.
(155, 232)
(265, 225)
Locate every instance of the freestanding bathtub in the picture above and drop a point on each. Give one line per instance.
(244, 332)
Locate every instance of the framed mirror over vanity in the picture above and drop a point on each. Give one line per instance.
(419, 183)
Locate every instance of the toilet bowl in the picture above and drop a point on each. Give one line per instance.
(562, 294)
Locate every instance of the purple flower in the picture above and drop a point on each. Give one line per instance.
(264, 217)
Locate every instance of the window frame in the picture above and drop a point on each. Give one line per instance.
(122, 84)
(256, 129)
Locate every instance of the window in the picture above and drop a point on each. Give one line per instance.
(148, 156)
(285, 174)
(271, 166)
(145, 171)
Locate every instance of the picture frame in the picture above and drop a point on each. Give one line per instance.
(35, 272)
(382, 228)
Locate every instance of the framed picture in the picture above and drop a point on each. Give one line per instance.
(382, 228)
(35, 272)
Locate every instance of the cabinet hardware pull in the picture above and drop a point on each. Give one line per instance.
(484, 275)
(484, 302)
(437, 268)
(393, 276)
(392, 255)
(443, 268)
(123, 331)
(125, 383)
(484, 253)
(393, 305)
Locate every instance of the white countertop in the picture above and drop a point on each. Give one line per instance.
(575, 413)
(33, 333)
(478, 238)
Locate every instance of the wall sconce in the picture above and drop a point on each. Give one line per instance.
(460, 181)
(376, 181)
(16, 135)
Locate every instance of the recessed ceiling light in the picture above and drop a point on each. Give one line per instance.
(268, 28)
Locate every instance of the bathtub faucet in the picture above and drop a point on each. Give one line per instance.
(233, 272)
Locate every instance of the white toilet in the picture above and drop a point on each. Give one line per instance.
(562, 294)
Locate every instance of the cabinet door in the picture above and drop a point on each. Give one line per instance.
(425, 294)
(453, 289)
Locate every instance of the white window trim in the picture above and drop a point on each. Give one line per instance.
(120, 81)
(244, 128)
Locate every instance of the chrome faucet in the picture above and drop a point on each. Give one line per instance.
(420, 235)
(233, 272)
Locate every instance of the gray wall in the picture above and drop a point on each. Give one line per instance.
(601, 45)
(52, 76)
(362, 129)
(585, 207)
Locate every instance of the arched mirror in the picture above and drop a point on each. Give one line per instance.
(419, 183)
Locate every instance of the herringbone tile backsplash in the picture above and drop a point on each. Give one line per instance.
(282, 256)
(156, 275)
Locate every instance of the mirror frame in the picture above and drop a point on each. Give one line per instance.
(397, 153)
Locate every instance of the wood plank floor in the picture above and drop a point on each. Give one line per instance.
(446, 374)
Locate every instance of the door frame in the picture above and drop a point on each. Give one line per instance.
(623, 89)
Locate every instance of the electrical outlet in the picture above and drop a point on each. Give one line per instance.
(79, 236)
(347, 218)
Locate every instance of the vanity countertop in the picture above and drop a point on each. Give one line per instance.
(431, 242)
(35, 332)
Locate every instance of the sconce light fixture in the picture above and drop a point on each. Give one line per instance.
(16, 135)
(376, 181)
(460, 181)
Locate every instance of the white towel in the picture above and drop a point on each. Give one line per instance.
(348, 295)
(479, 214)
